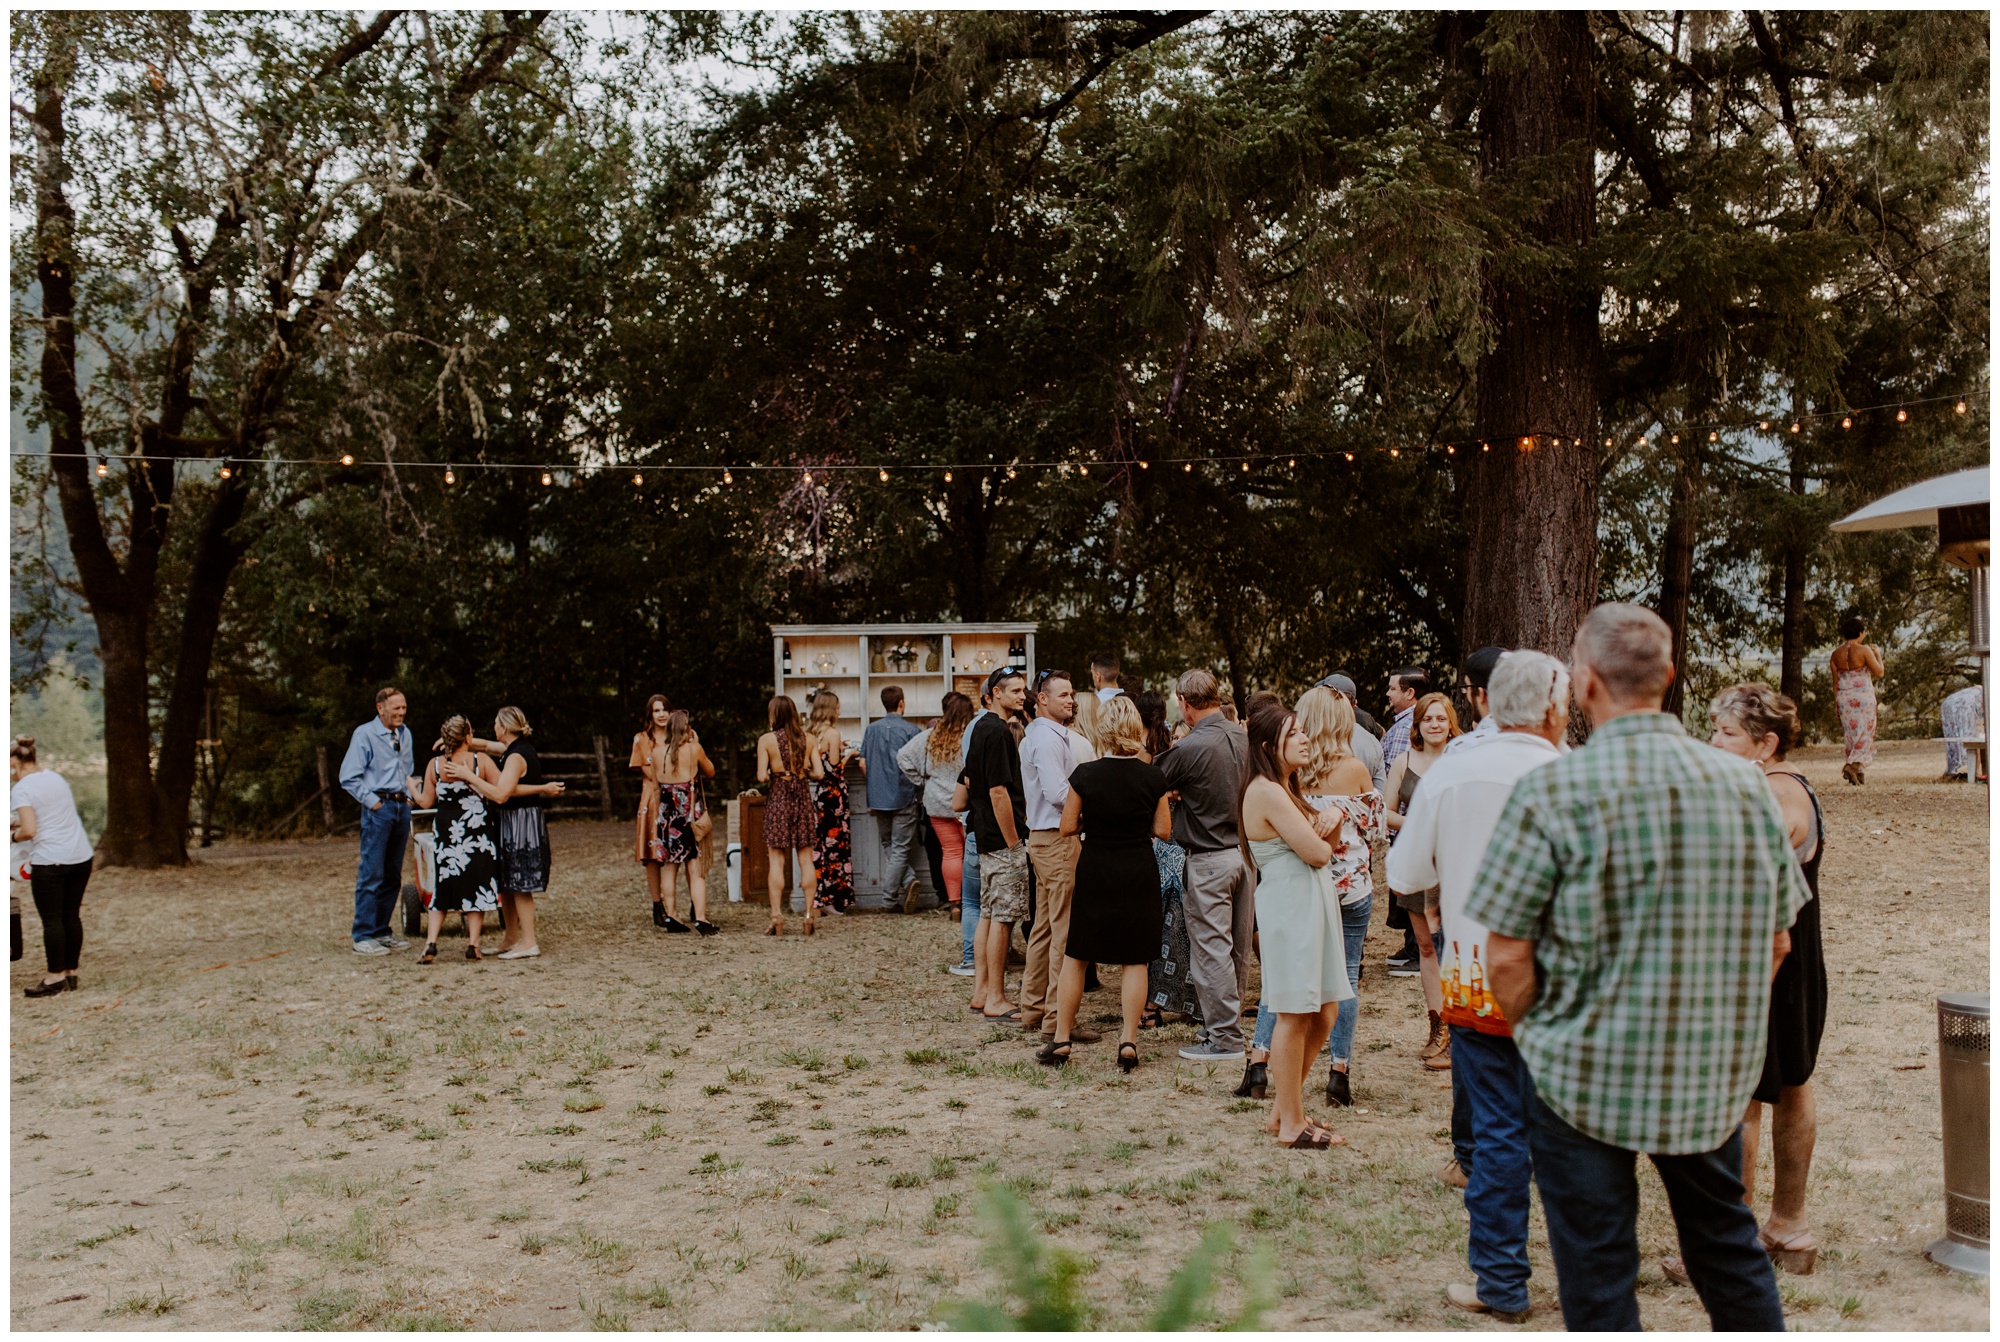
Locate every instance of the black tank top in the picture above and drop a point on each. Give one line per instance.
(531, 772)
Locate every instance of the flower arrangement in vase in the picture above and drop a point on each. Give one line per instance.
(903, 657)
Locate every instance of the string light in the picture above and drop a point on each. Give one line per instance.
(638, 480)
(224, 472)
(1450, 450)
(449, 478)
(1143, 465)
(1795, 426)
(1010, 473)
(102, 470)
(885, 475)
(1394, 452)
(1348, 455)
(1607, 442)
(1189, 466)
(1675, 440)
(1642, 441)
(727, 478)
(1846, 422)
(347, 459)
(1902, 415)
(1083, 468)
(1763, 423)
(1960, 407)
(1246, 468)
(947, 477)
(1713, 436)
(1290, 462)
(1483, 447)
(1527, 444)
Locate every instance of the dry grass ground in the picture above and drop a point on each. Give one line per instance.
(239, 1124)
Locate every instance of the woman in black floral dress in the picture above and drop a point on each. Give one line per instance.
(833, 838)
(468, 851)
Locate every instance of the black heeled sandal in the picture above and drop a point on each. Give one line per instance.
(1055, 1053)
(674, 924)
(1128, 1057)
(430, 955)
(705, 927)
(46, 989)
(1256, 1083)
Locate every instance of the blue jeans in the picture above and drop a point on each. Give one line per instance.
(1590, 1198)
(1353, 937)
(968, 909)
(385, 834)
(1498, 1101)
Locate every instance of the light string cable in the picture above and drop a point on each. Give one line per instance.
(1712, 430)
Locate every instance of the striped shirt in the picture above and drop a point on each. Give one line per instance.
(1652, 872)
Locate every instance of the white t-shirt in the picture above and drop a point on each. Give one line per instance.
(59, 837)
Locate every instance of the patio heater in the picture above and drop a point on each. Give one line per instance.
(1959, 506)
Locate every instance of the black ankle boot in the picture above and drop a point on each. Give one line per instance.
(659, 914)
(1337, 1093)
(1256, 1081)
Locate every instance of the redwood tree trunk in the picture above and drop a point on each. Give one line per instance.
(1531, 512)
(1677, 566)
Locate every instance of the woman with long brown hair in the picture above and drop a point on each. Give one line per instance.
(1434, 726)
(680, 763)
(1304, 960)
(833, 837)
(787, 761)
(646, 839)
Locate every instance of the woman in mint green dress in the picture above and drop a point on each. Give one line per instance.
(1298, 915)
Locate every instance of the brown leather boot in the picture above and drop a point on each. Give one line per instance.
(1439, 1041)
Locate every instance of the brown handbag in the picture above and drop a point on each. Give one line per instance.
(704, 823)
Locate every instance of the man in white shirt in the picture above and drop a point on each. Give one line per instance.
(1104, 676)
(1048, 755)
(1443, 838)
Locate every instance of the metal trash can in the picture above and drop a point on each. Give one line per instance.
(1963, 1050)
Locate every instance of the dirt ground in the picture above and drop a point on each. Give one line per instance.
(237, 1123)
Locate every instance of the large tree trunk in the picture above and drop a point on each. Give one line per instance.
(1531, 562)
(1792, 633)
(1677, 565)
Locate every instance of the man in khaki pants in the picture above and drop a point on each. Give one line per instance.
(1047, 756)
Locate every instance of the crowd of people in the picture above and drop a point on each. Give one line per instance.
(1619, 944)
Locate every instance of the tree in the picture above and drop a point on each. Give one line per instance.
(266, 159)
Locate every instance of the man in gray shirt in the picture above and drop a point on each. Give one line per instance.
(1206, 768)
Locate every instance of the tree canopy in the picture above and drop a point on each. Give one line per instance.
(1181, 333)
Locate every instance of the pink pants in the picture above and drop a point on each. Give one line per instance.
(951, 838)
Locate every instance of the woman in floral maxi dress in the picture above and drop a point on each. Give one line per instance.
(1856, 666)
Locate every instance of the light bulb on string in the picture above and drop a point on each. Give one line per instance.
(727, 478)
(1145, 465)
(1847, 421)
(947, 477)
(1348, 455)
(1395, 452)
(1083, 468)
(1607, 442)
(809, 477)
(1795, 426)
(347, 458)
(1763, 423)
(449, 478)
(1290, 462)
(1713, 436)
(1642, 441)
(1527, 444)
(1187, 466)
(638, 480)
(102, 470)
(1960, 407)
(1246, 468)
(547, 479)
(224, 472)
(1010, 473)
(1902, 415)
(885, 476)
(1450, 451)
(1675, 439)
(1486, 447)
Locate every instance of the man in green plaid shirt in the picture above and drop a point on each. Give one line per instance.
(1639, 891)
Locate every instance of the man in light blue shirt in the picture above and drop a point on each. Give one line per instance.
(891, 796)
(377, 772)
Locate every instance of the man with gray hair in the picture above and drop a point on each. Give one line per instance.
(1442, 840)
(1206, 768)
(1639, 892)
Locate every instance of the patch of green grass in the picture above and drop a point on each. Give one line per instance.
(943, 1167)
(854, 1062)
(925, 1057)
(869, 1266)
(713, 1163)
(562, 1130)
(604, 1320)
(530, 1242)
(805, 1059)
(1245, 1106)
(106, 1236)
(798, 1267)
(156, 1304)
(829, 1236)
(1054, 1221)
(425, 1322)
(1026, 1111)
(1124, 1151)
(945, 1205)
(956, 1104)
(586, 1103)
(783, 1139)
(609, 1255)
(552, 1164)
(743, 1076)
(885, 1130)
(429, 1133)
(655, 1130)
(321, 1310)
(713, 1091)
(504, 1217)
(767, 1110)
(907, 1179)
(1076, 1192)
(821, 1125)
(362, 1241)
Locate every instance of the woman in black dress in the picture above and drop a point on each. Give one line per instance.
(1119, 804)
(468, 856)
(523, 828)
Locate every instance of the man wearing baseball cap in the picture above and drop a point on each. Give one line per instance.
(1367, 748)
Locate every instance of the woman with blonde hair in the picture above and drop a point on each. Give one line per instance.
(1118, 803)
(468, 854)
(787, 761)
(1436, 726)
(523, 829)
(833, 836)
(680, 764)
(1336, 784)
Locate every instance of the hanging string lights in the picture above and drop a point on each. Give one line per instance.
(1290, 459)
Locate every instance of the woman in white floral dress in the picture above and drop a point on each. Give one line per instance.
(468, 852)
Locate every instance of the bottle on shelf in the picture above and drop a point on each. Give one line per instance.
(788, 657)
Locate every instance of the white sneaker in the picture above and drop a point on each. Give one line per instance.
(518, 954)
(963, 971)
(393, 942)
(365, 947)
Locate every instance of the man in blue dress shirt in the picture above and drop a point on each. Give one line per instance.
(891, 796)
(377, 772)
